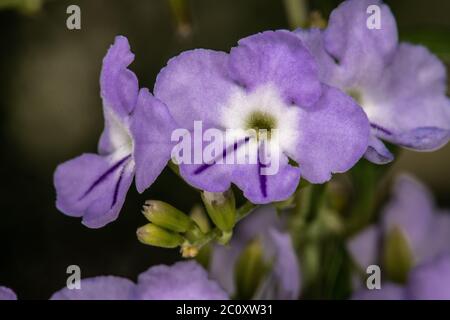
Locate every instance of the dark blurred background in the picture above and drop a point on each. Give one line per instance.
(50, 111)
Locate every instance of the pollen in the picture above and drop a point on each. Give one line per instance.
(261, 122)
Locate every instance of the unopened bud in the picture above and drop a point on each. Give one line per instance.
(198, 214)
(155, 236)
(166, 216)
(221, 208)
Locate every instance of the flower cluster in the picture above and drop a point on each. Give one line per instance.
(135, 143)
(400, 86)
(410, 243)
(300, 83)
(318, 100)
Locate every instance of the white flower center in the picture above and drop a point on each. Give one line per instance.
(263, 109)
(364, 101)
(119, 136)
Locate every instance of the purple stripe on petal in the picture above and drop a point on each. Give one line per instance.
(224, 154)
(116, 188)
(75, 176)
(424, 138)
(270, 187)
(105, 175)
(262, 178)
(380, 128)
(421, 138)
(202, 168)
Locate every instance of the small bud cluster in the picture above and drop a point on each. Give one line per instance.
(172, 228)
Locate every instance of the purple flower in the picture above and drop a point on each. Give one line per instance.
(282, 281)
(181, 281)
(135, 142)
(268, 82)
(429, 281)
(400, 86)
(425, 229)
(7, 294)
(388, 291)
(413, 213)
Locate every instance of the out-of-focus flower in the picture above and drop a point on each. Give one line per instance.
(268, 82)
(260, 261)
(412, 233)
(411, 217)
(182, 281)
(400, 86)
(135, 142)
(429, 281)
(7, 294)
(24, 6)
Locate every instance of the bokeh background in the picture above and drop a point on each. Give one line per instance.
(50, 111)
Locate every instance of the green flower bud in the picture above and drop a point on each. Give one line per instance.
(194, 234)
(198, 214)
(221, 208)
(166, 216)
(155, 236)
(397, 256)
(250, 270)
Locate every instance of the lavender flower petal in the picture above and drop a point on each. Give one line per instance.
(7, 294)
(98, 288)
(93, 187)
(361, 52)
(276, 57)
(181, 281)
(151, 127)
(335, 134)
(195, 86)
(388, 291)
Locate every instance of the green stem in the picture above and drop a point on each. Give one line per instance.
(297, 13)
(218, 235)
(244, 210)
(365, 177)
(181, 16)
(175, 169)
(308, 201)
(210, 236)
